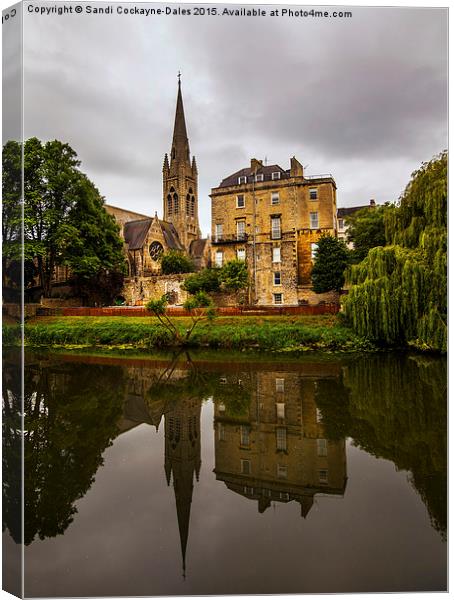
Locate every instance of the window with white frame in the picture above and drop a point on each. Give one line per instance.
(241, 230)
(274, 197)
(281, 438)
(249, 491)
(323, 476)
(322, 447)
(244, 435)
(314, 247)
(280, 410)
(219, 258)
(259, 177)
(241, 254)
(284, 496)
(277, 298)
(276, 175)
(242, 179)
(280, 384)
(218, 232)
(277, 278)
(245, 466)
(313, 193)
(240, 202)
(275, 228)
(277, 254)
(314, 220)
(282, 471)
(318, 415)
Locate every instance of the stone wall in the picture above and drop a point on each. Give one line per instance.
(137, 291)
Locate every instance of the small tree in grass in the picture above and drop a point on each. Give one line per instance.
(200, 307)
(173, 262)
(331, 260)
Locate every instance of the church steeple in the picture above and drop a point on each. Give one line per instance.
(180, 201)
(180, 142)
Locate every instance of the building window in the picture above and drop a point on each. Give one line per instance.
(281, 438)
(274, 197)
(280, 384)
(340, 223)
(219, 258)
(318, 415)
(244, 435)
(245, 467)
(275, 228)
(240, 203)
(323, 476)
(322, 447)
(277, 278)
(176, 204)
(221, 432)
(314, 220)
(259, 177)
(282, 471)
(249, 491)
(155, 250)
(280, 410)
(284, 496)
(241, 254)
(277, 298)
(218, 232)
(242, 179)
(313, 193)
(276, 175)
(314, 247)
(277, 254)
(241, 230)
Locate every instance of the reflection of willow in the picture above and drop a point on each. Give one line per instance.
(168, 387)
(71, 416)
(395, 408)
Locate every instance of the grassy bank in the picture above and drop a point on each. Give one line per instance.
(280, 333)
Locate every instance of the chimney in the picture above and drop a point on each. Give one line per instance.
(372, 203)
(296, 168)
(256, 165)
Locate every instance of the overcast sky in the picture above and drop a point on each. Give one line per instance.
(363, 98)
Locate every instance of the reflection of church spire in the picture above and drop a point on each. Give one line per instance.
(182, 461)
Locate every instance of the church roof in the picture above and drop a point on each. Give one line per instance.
(197, 248)
(135, 233)
(171, 235)
(265, 170)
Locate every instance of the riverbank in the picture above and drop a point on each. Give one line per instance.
(280, 334)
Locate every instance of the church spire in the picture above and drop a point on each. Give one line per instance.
(180, 142)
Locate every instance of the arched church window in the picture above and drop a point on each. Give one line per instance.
(176, 204)
(192, 206)
(169, 204)
(188, 204)
(173, 153)
(155, 250)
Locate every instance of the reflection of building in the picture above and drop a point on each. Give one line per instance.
(343, 214)
(272, 218)
(278, 450)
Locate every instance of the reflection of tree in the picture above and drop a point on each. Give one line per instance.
(71, 416)
(12, 447)
(168, 386)
(395, 408)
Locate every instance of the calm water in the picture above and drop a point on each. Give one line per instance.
(151, 476)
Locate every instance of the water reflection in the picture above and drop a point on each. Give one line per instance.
(279, 428)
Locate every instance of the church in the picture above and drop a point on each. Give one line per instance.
(147, 238)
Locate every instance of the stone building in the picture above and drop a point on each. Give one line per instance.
(343, 214)
(147, 238)
(272, 218)
(278, 451)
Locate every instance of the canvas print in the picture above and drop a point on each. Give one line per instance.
(224, 299)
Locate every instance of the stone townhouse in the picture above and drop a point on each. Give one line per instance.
(272, 218)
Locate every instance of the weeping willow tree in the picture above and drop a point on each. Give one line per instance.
(398, 292)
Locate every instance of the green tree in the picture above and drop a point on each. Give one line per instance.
(207, 280)
(234, 275)
(173, 262)
(65, 222)
(331, 260)
(366, 230)
(399, 292)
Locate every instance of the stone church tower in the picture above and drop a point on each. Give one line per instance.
(179, 179)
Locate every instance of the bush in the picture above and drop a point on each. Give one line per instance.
(208, 280)
(173, 262)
